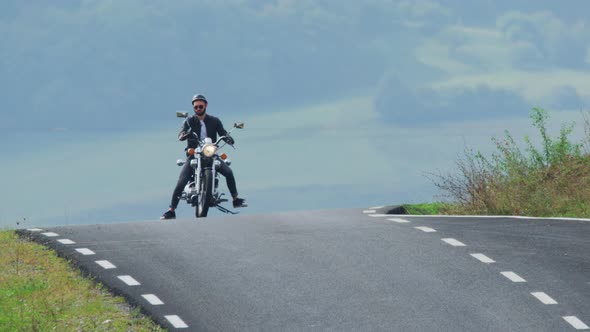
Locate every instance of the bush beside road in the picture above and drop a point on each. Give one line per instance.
(519, 179)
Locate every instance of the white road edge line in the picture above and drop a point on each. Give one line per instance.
(176, 321)
(50, 234)
(378, 215)
(85, 251)
(129, 280)
(376, 207)
(576, 322)
(152, 299)
(483, 258)
(487, 217)
(399, 220)
(426, 229)
(106, 265)
(66, 241)
(34, 229)
(544, 298)
(369, 211)
(513, 276)
(454, 242)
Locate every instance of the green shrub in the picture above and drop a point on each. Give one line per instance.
(550, 181)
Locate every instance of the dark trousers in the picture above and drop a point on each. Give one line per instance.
(187, 172)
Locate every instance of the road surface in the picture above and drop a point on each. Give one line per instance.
(341, 270)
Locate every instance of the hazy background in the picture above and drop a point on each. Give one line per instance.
(346, 103)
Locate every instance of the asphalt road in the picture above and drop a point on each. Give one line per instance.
(342, 270)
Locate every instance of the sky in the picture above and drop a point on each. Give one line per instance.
(346, 103)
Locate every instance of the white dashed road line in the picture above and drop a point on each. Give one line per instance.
(176, 321)
(85, 251)
(513, 276)
(454, 242)
(576, 322)
(152, 299)
(376, 207)
(398, 220)
(129, 280)
(483, 258)
(544, 298)
(106, 265)
(426, 229)
(541, 296)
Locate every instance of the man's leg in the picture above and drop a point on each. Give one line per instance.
(183, 178)
(229, 178)
(226, 171)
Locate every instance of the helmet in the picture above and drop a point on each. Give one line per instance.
(199, 97)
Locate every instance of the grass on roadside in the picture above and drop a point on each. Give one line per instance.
(42, 292)
(437, 208)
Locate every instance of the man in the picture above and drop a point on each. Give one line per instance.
(204, 125)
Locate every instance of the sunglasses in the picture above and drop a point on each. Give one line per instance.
(199, 107)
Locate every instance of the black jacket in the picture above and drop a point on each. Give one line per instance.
(213, 125)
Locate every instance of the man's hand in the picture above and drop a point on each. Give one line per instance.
(229, 140)
(182, 136)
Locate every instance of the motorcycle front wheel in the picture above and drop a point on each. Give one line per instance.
(204, 199)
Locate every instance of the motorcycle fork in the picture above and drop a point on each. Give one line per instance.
(198, 176)
(213, 175)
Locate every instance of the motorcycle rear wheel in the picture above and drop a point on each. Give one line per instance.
(205, 195)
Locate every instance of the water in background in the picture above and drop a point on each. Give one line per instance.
(85, 148)
(27, 150)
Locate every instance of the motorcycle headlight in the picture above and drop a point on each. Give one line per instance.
(209, 150)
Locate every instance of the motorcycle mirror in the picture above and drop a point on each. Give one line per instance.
(239, 125)
(182, 114)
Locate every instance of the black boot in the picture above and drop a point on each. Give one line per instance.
(239, 202)
(168, 215)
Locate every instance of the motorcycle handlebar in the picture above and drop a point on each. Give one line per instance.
(191, 132)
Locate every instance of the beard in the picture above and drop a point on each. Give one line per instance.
(200, 112)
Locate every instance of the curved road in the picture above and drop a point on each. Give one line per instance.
(342, 270)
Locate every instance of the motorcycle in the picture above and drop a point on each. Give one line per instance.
(202, 190)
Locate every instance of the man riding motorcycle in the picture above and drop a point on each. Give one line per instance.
(204, 125)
